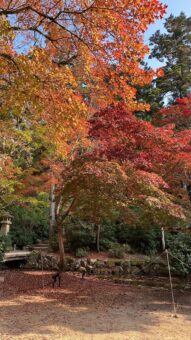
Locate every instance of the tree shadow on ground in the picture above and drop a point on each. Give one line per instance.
(29, 305)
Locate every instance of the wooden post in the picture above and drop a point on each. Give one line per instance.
(98, 238)
(61, 246)
(163, 239)
(52, 212)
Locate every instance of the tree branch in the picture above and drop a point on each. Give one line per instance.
(9, 58)
(61, 217)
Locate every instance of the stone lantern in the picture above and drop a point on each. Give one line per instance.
(5, 222)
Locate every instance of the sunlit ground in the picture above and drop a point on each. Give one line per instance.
(88, 309)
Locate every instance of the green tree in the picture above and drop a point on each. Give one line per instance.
(173, 48)
(150, 94)
(30, 221)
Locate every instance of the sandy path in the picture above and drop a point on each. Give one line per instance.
(88, 310)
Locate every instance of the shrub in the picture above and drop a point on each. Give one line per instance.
(5, 244)
(107, 235)
(79, 234)
(30, 222)
(105, 244)
(53, 243)
(122, 232)
(117, 251)
(81, 252)
(127, 248)
(179, 246)
(22, 237)
(145, 241)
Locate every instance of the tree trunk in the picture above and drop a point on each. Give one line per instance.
(98, 238)
(60, 217)
(52, 212)
(61, 246)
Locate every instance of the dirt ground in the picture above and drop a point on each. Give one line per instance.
(88, 310)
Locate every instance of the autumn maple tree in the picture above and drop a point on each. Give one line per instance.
(160, 156)
(94, 44)
(133, 168)
(178, 114)
(54, 53)
(63, 60)
(178, 117)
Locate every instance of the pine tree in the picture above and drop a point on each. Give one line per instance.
(174, 49)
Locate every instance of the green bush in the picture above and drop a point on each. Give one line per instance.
(145, 241)
(122, 232)
(79, 234)
(107, 235)
(118, 251)
(22, 237)
(105, 244)
(30, 222)
(127, 248)
(179, 246)
(5, 244)
(53, 243)
(81, 252)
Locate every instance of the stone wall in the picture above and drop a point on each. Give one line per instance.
(141, 266)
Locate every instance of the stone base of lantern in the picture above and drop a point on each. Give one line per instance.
(5, 228)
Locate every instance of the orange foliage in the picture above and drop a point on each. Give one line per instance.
(81, 54)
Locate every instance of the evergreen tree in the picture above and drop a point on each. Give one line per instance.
(173, 49)
(149, 94)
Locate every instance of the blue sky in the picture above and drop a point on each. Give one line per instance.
(174, 7)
